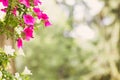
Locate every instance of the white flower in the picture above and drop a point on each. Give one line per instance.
(20, 51)
(0, 74)
(19, 29)
(8, 50)
(27, 71)
(17, 75)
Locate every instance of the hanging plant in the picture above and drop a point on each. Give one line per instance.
(21, 18)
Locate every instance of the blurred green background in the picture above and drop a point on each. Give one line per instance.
(83, 42)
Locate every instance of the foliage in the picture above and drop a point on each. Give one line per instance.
(4, 67)
(21, 18)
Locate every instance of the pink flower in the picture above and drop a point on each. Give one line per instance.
(14, 11)
(47, 23)
(38, 12)
(19, 43)
(4, 10)
(44, 16)
(45, 19)
(28, 19)
(28, 32)
(4, 2)
(25, 2)
(36, 2)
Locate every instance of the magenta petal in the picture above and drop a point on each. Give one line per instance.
(4, 2)
(39, 16)
(44, 16)
(28, 32)
(47, 23)
(28, 19)
(25, 2)
(38, 12)
(4, 10)
(36, 2)
(19, 43)
(14, 11)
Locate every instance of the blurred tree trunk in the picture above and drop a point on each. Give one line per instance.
(5, 41)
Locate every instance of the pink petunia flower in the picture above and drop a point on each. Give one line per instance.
(25, 2)
(38, 12)
(14, 11)
(47, 23)
(28, 19)
(19, 43)
(36, 2)
(4, 10)
(44, 16)
(28, 32)
(5, 2)
(45, 19)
